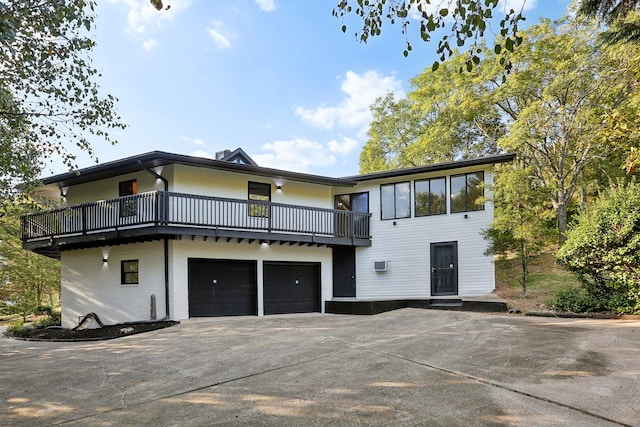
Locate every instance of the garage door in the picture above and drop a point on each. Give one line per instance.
(222, 288)
(291, 287)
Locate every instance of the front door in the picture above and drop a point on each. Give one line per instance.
(444, 268)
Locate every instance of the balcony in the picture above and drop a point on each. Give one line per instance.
(159, 214)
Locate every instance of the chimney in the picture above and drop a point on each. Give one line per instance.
(220, 155)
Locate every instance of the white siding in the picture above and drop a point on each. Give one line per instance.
(210, 182)
(406, 246)
(182, 250)
(109, 188)
(89, 285)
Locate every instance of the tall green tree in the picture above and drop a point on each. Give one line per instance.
(50, 102)
(26, 279)
(447, 116)
(554, 103)
(522, 219)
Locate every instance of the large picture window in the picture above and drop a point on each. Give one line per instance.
(467, 192)
(395, 200)
(431, 197)
(261, 192)
(129, 272)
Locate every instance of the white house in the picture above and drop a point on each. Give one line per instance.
(167, 235)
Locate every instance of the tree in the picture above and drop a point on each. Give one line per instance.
(603, 249)
(554, 105)
(521, 224)
(467, 20)
(548, 110)
(446, 117)
(25, 277)
(48, 92)
(620, 14)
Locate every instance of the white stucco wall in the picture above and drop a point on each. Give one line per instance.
(406, 246)
(90, 285)
(182, 250)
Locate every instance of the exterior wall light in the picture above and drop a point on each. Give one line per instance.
(279, 187)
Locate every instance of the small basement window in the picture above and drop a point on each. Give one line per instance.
(129, 272)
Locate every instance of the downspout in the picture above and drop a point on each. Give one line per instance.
(165, 246)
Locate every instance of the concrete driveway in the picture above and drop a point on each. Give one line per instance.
(406, 367)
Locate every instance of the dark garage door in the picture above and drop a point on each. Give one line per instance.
(222, 288)
(291, 287)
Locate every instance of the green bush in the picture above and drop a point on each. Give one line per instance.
(603, 251)
(575, 300)
(54, 319)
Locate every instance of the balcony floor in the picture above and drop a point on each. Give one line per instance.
(52, 247)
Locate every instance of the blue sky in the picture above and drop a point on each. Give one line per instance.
(275, 77)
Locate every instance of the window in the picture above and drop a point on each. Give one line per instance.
(129, 272)
(128, 205)
(431, 197)
(261, 192)
(395, 200)
(466, 192)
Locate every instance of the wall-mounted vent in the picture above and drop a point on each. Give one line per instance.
(380, 265)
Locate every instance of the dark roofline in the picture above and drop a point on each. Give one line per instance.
(239, 153)
(433, 168)
(160, 158)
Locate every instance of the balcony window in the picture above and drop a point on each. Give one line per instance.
(129, 205)
(431, 197)
(467, 192)
(259, 191)
(395, 200)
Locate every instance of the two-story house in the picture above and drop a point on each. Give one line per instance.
(168, 235)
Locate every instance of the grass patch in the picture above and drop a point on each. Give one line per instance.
(546, 278)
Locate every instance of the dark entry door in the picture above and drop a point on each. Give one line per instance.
(444, 268)
(291, 287)
(222, 288)
(344, 271)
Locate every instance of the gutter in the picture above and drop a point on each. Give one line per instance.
(165, 245)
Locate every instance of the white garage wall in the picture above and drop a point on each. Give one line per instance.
(89, 285)
(181, 250)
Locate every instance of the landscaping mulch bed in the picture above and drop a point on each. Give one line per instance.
(104, 333)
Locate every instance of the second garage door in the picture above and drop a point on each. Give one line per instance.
(291, 287)
(222, 288)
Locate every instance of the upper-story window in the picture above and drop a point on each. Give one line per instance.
(467, 192)
(395, 200)
(261, 192)
(431, 197)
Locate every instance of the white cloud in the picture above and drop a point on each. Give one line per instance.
(304, 155)
(344, 147)
(221, 37)
(360, 91)
(267, 5)
(149, 44)
(299, 154)
(142, 14)
(199, 141)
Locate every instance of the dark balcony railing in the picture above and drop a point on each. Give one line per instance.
(159, 208)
